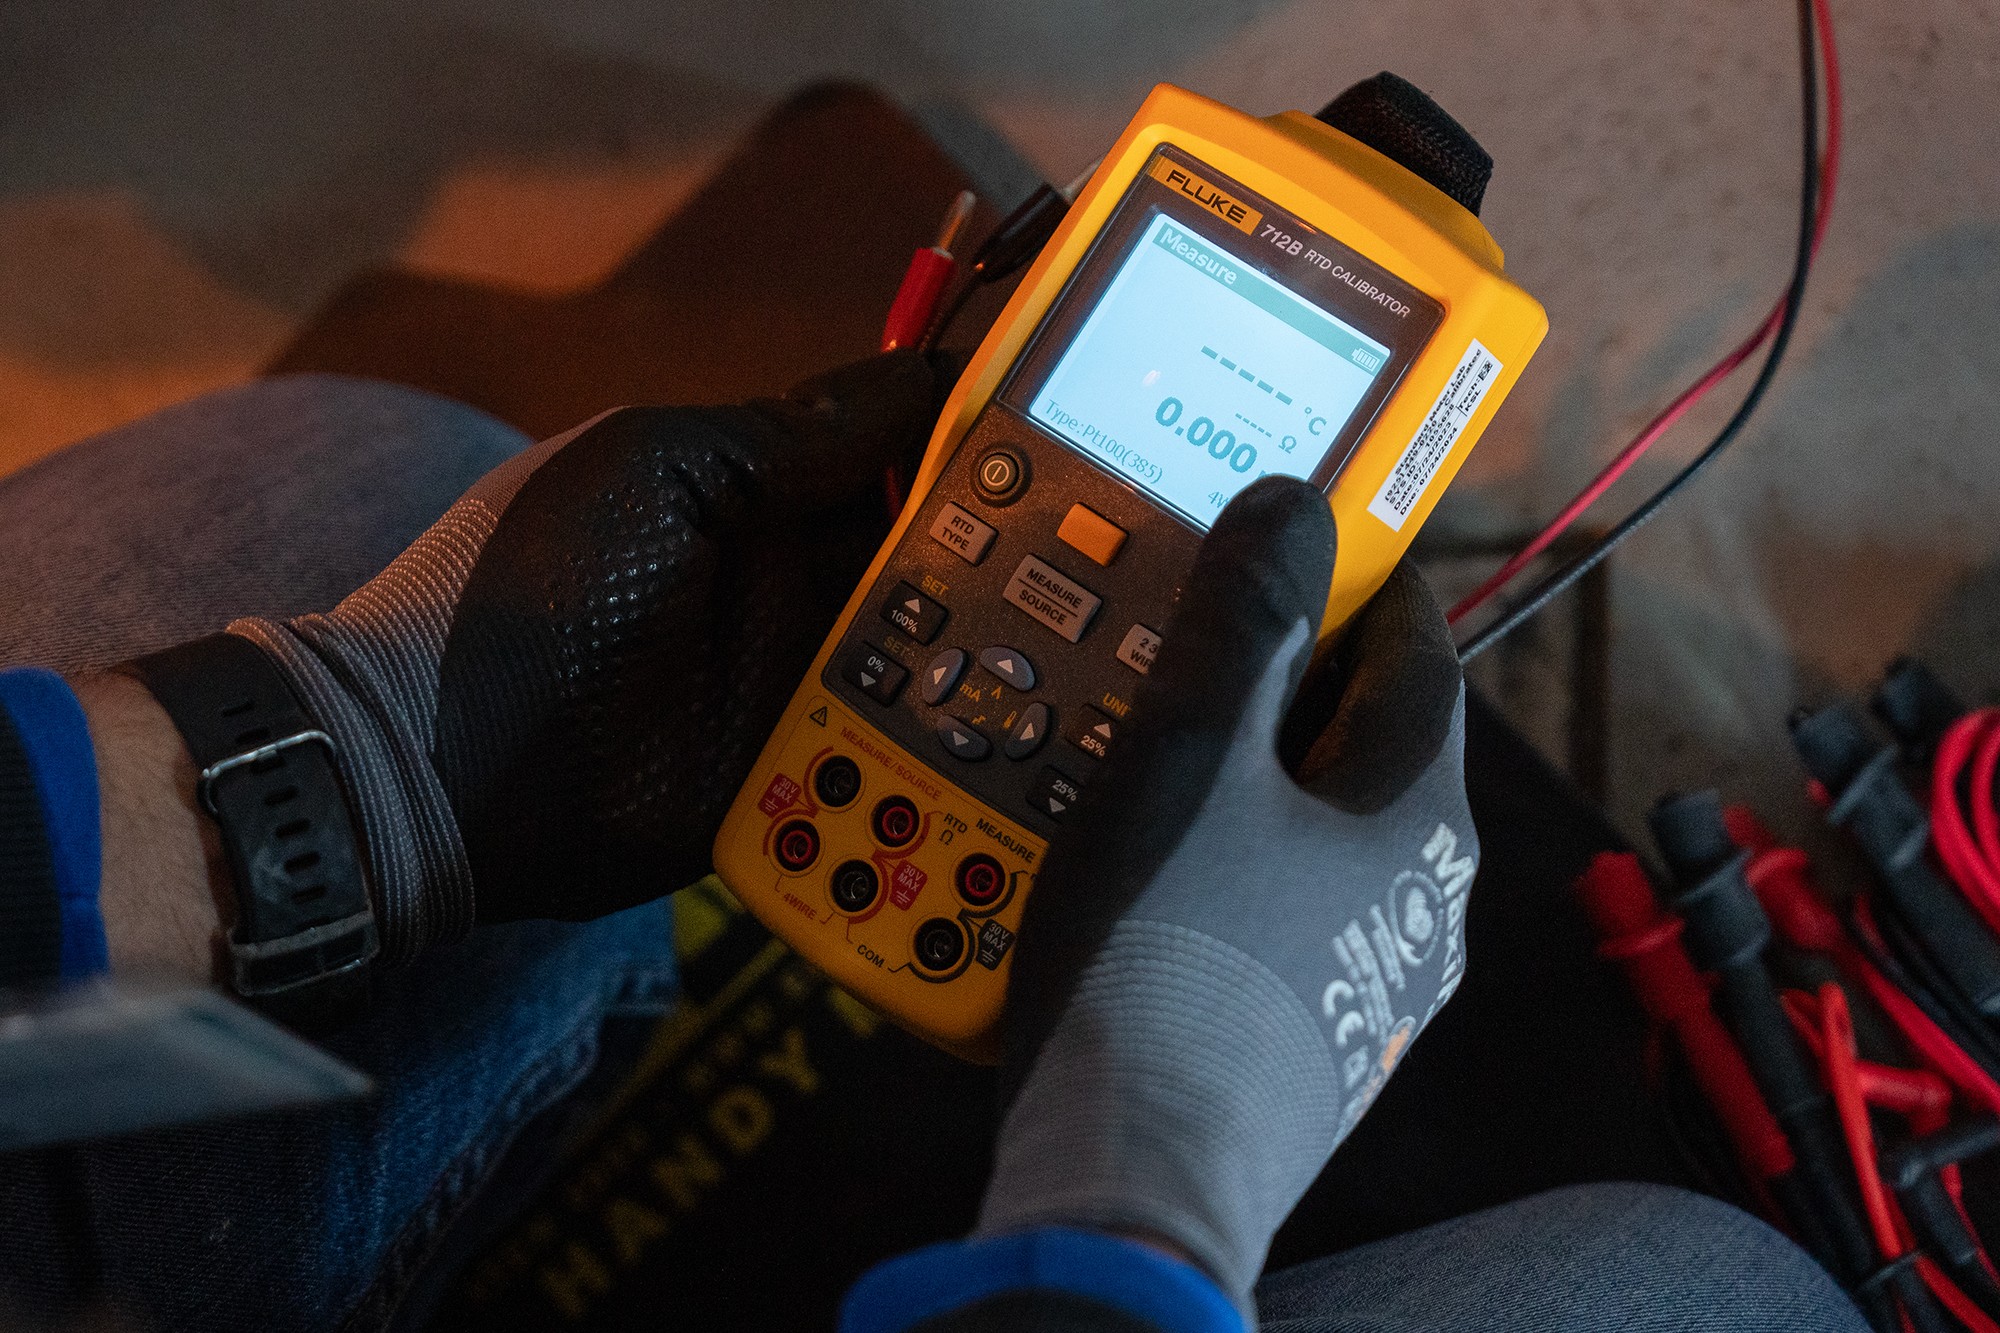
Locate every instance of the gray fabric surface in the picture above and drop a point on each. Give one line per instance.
(368, 670)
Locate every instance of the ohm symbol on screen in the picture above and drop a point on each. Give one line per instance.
(1289, 443)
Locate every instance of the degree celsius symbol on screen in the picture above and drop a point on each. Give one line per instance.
(1195, 374)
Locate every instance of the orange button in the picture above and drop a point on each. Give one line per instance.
(1092, 533)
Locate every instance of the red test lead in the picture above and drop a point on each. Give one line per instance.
(925, 279)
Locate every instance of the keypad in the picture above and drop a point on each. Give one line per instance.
(1005, 682)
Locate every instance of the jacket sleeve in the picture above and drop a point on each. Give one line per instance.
(1052, 1280)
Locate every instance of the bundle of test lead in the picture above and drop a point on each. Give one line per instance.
(1846, 1050)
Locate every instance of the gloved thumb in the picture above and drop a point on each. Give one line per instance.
(1256, 590)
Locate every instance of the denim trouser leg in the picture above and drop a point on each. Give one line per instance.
(277, 498)
(1612, 1258)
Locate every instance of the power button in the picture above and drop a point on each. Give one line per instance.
(1000, 476)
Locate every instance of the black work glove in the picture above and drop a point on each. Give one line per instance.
(545, 705)
(1251, 913)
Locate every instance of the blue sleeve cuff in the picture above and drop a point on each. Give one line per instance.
(53, 732)
(1140, 1281)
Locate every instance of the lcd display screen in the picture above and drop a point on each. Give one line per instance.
(1195, 374)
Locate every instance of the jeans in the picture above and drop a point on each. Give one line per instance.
(1587, 1259)
(277, 498)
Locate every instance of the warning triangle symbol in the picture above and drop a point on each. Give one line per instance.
(818, 716)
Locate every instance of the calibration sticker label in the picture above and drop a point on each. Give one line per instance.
(1219, 202)
(1432, 444)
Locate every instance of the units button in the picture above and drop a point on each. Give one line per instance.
(1091, 533)
(1052, 597)
(1053, 793)
(963, 741)
(1000, 476)
(1139, 648)
(1091, 732)
(870, 670)
(1030, 730)
(914, 614)
(959, 532)
(1011, 665)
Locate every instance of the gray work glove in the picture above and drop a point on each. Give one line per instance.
(1249, 916)
(545, 705)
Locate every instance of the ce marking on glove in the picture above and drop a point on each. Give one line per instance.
(1398, 939)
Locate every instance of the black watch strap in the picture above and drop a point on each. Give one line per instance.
(305, 930)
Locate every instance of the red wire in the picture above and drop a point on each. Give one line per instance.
(1963, 855)
(1841, 1066)
(1694, 393)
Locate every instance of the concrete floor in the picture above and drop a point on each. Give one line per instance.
(181, 183)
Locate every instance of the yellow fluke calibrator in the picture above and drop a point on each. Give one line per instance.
(1227, 297)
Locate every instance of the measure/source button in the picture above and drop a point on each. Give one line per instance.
(1092, 533)
(1000, 476)
(959, 532)
(1052, 597)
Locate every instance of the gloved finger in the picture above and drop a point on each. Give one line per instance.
(1257, 589)
(828, 441)
(1375, 715)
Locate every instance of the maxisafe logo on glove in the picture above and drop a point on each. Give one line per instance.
(1228, 297)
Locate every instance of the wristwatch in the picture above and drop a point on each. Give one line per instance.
(304, 935)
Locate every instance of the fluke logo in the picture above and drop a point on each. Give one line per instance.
(1231, 210)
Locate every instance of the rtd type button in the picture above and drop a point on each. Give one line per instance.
(959, 532)
(1052, 597)
(1092, 533)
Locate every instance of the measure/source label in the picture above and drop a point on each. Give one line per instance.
(1432, 444)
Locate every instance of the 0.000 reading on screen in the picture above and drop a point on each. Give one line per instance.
(1196, 374)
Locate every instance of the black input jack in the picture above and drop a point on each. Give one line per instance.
(854, 886)
(837, 781)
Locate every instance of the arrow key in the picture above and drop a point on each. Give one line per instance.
(1053, 793)
(1010, 666)
(1091, 731)
(962, 741)
(941, 676)
(1030, 730)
